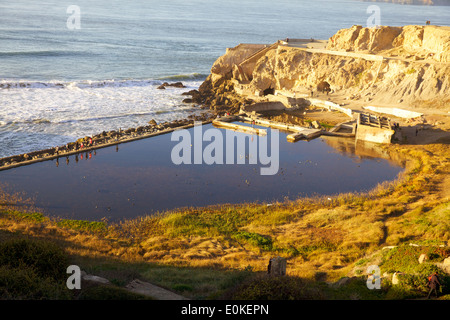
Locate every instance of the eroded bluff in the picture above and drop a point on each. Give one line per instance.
(407, 65)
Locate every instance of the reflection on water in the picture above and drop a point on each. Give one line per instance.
(139, 178)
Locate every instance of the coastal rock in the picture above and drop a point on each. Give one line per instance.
(175, 84)
(358, 69)
(358, 38)
(152, 122)
(423, 41)
(190, 93)
(223, 67)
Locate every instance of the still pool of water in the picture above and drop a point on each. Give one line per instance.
(139, 178)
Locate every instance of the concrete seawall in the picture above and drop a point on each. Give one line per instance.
(61, 152)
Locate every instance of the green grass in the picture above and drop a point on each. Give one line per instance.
(82, 225)
(413, 276)
(35, 217)
(255, 239)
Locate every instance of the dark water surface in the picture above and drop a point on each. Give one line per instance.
(139, 178)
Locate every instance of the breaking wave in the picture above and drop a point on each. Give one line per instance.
(61, 111)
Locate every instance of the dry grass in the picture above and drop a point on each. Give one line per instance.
(316, 235)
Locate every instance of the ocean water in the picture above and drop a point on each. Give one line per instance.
(66, 74)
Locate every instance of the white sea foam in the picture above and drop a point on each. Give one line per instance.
(35, 115)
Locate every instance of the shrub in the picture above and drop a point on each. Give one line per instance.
(32, 270)
(405, 258)
(24, 283)
(255, 239)
(45, 258)
(276, 288)
(26, 216)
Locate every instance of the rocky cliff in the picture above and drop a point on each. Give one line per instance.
(407, 65)
(420, 42)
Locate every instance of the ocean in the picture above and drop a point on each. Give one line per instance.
(70, 69)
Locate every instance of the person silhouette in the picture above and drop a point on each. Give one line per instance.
(434, 284)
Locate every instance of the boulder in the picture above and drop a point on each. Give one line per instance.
(395, 278)
(175, 84)
(190, 93)
(446, 265)
(152, 122)
(422, 258)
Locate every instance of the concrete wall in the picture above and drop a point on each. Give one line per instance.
(365, 56)
(331, 106)
(374, 134)
(396, 112)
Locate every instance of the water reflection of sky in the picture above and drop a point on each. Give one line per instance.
(139, 178)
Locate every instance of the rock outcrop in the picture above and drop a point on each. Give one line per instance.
(407, 65)
(432, 42)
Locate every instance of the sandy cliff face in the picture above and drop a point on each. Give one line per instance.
(421, 41)
(414, 71)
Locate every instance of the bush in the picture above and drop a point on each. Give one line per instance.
(276, 288)
(406, 259)
(255, 239)
(32, 270)
(45, 258)
(414, 275)
(25, 284)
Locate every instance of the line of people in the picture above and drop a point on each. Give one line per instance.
(80, 156)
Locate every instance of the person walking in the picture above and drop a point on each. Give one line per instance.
(434, 284)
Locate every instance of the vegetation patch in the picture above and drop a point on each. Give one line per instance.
(255, 239)
(82, 225)
(32, 270)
